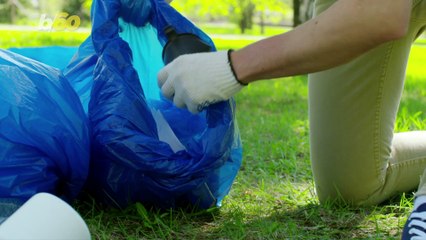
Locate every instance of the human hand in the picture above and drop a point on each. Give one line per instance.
(197, 80)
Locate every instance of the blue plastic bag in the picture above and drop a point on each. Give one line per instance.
(55, 56)
(44, 137)
(144, 149)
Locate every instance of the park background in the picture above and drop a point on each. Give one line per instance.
(273, 196)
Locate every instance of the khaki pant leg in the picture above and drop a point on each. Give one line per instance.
(352, 111)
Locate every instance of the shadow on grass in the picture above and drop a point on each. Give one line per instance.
(315, 221)
(278, 220)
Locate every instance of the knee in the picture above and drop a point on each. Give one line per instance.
(353, 188)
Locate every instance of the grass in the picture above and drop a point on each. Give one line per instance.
(231, 29)
(273, 195)
(15, 38)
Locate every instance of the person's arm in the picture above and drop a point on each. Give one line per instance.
(342, 32)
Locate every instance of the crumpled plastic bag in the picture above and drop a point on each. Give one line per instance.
(145, 149)
(44, 136)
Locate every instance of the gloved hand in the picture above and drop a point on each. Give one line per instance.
(197, 80)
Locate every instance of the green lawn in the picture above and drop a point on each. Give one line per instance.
(11, 38)
(231, 29)
(273, 195)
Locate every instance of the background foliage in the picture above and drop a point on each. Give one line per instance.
(243, 13)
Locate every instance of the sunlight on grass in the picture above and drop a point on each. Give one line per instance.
(416, 65)
(412, 114)
(39, 38)
(232, 29)
(274, 127)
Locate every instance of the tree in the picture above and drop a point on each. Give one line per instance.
(266, 8)
(302, 11)
(49, 7)
(240, 12)
(10, 10)
(78, 7)
(202, 10)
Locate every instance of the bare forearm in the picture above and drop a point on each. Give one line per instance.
(343, 32)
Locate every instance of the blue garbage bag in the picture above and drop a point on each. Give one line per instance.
(143, 148)
(44, 136)
(54, 56)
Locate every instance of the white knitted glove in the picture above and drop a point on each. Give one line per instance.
(197, 80)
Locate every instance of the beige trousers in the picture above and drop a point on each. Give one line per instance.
(356, 157)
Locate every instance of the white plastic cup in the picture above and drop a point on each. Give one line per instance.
(44, 217)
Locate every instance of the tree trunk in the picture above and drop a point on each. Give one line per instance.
(12, 12)
(309, 9)
(296, 12)
(262, 23)
(246, 18)
(302, 11)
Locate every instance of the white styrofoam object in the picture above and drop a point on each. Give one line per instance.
(44, 217)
